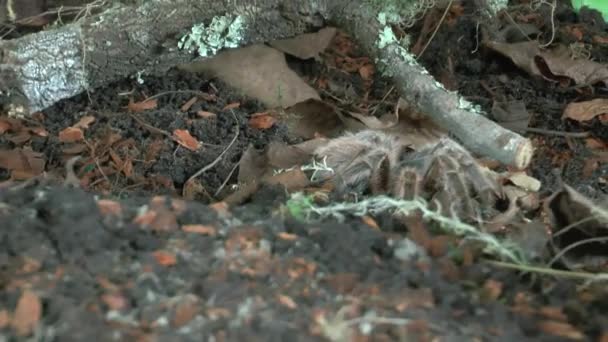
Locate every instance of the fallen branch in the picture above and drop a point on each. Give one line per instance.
(40, 69)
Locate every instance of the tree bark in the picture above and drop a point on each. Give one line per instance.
(40, 69)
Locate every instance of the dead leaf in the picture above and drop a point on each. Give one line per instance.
(492, 289)
(85, 122)
(262, 120)
(587, 110)
(4, 126)
(595, 144)
(71, 134)
(5, 318)
(313, 117)
(23, 163)
(561, 329)
(233, 105)
(138, 107)
(186, 309)
(555, 64)
(370, 121)
(158, 217)
(205, 115)
(109, 207)
(255, 165)
(287, 236)
(27, 314)
(165, 258)
(39, 131)
(367, 72)
(185, 139)
(307, 45)
(512, 115)
(153, 150)
(260, 72)
(19, 138)
(199, 229)
(522, 180)
(586, 218)
(193, 189)
(292, 180)
(74, 149)
(114, 301)
(287, 301)
(368, 220)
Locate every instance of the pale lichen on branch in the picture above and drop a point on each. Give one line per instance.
(222, 32)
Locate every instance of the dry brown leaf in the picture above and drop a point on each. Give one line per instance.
(127, 167)
(165, 258)
(367, 72)
(587, 110)
(23, 163)
(260, 72)
(205, 115)
(262, 120)
(27, 314)
(39, 131)
(185, 139)
(109, 207)
(492, 289)
(199, 229)
(145, 219)
(561, 329)
(74, 149)
(114, 301)
(292, 180)
(287, 301)
(5, 319)
(71, 134)
(595, 144)
(287, 236)
(192, 189)
(368, 220)
(256, 165)
(555, 64)
(4, 126)
(138, 107)
(186, 310)
(233, 105)
(85, 122)
(307, 45)
(19, 138)
(314, 117)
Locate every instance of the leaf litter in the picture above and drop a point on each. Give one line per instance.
(296, 112)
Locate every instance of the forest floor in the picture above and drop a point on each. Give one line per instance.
(111, 246)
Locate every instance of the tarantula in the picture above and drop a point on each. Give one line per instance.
(442, 172)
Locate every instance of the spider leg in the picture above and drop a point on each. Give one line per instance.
(453, 192)
(407, 183)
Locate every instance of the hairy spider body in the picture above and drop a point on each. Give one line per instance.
(443, 171)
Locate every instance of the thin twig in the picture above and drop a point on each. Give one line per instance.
(217, 160)
(382, 100)
(173, 92)
(217, 192)
(576, 244)
(571, 225)
(151, 128)
(549, 271)
(558, 133)
(428, 42)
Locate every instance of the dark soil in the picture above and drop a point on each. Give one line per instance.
(122, 257)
